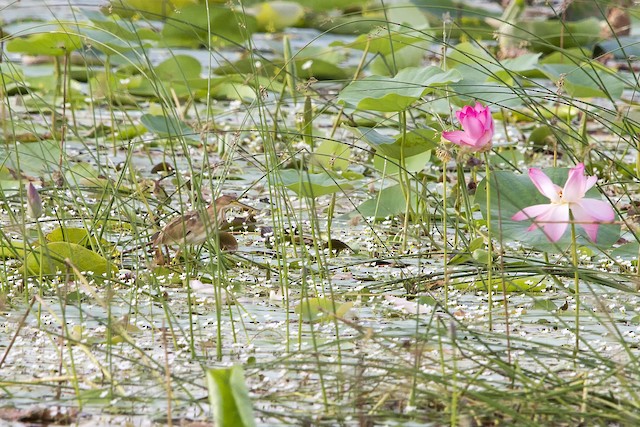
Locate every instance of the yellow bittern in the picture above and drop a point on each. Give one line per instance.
(195, 227)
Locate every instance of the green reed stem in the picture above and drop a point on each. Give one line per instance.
(489, 239)
(576, 283)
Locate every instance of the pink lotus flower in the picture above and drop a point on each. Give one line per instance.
(554, 217)
(477, 125)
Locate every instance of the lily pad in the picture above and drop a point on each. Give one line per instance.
(476, 64)
(55, 43)
(167, 126)
(79, 236)
(313, 184)
(190, 26)
(50, 259)
(321, 309)
(388, 203)
(416, 141)
(397, 93)
(585, 81)
(36, 158)
(332, 155)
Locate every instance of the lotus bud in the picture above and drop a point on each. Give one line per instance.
(34, 202)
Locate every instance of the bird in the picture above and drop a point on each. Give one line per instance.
(196, 227)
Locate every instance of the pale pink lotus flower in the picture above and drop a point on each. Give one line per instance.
(554, 217)
(477, 128)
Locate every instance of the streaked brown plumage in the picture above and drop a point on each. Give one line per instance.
(195, 227)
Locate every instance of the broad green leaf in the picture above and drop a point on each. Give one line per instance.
(545, 304)
(177, 76)
(397, 93)
(454, 8)
(628, 251)
(13, 249)
(12, 76)
(125, 132)
(510, 283)
(388, 203)
(178, 68)
(229, 397)
(542, 136)
(111, 34)
(624, 48)
(510, 193)
(416, 141)
(110, 45)
(489, 93)
(36, 158)
(322, 5)
(233, 91)
(410, 56)
(464, 255)
(321, 309)
(189, 26)
(306, 67)
(79, 236)
(585, 81)
(150, 9)
(55, 43)
(50, 259)
(120, 29)
(478, 65)
(272, 16)
(86, 175)
(382, 43)
(390, 166)
(407, 19)
(167, 126)
(313, 184)
(549, 35)
(9, 181)
(332, 155)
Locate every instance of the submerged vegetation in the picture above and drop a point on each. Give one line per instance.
(319, 213)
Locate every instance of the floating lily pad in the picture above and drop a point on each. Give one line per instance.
(332, 155)
(50, 259)
(167, 126)
(321, 309)
(190, 26)
(313, 184)
(388, 203)
(397, 93)
(550, 35)
(79, 236)
(55, 43)
(415, 142)
(530, 284)
(36, 158)
(476, 64)
(585, 81)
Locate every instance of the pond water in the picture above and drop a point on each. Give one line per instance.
(117, 352)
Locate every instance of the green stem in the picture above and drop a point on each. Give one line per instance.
(444, 234)
(489, 242)
(404, 179)
(576, 283)
(330, 210)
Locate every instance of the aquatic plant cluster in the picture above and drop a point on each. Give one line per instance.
(326, 212)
